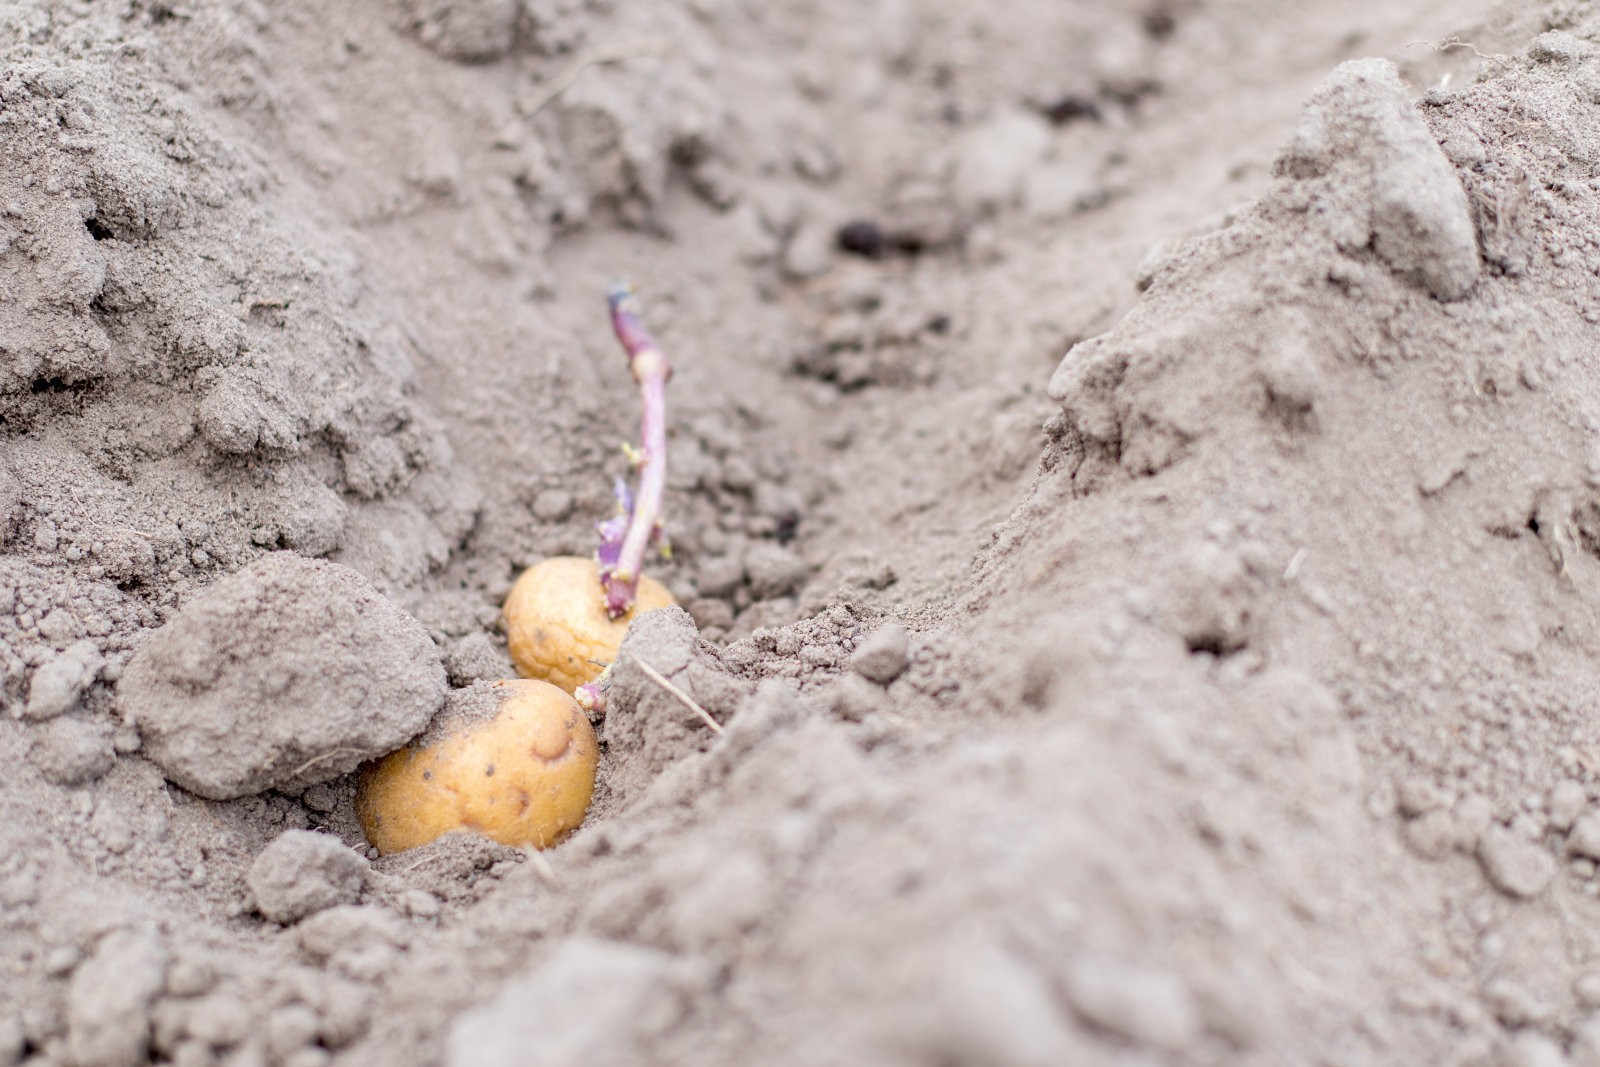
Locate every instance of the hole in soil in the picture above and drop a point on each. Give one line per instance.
(1071, 108)
(689, 152)
(97, 229)
(1159, 23)
(869, 240)
(1212, 643)
(862, 238)
(787, 524)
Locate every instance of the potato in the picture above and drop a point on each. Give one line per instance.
(556, 625)
(514, 760)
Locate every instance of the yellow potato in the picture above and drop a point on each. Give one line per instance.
(556, 625)
(523, 776)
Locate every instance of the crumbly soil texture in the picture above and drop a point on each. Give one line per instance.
(1134, 499)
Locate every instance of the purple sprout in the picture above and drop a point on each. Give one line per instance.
(627, 536)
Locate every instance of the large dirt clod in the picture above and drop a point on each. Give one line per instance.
(288, 673)
(1386, 181)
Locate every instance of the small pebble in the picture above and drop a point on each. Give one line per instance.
(125, 741)
(290, 1029)
(754, 240)
(1146, 1007)
(61, 960)
(190, 977)
(1557, 46)
(1418, 796)
(1514, 865)
(476, 657)
(808, 254)
(1566, 803)
(419, 903)
(1526, 826)
(220, 1019)
(711, 613)
(883, 655)
(57, 685)
(720, 577)
(71, 752)
(322, 797)
(774, 571)
(780, 502)
(738, 474)
(302, 872)
(853, 698)
(552, 505)
(994, 159)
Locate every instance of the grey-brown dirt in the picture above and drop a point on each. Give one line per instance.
(1134, 492)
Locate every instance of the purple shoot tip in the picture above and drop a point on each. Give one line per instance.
(591, 697)
(625, 538)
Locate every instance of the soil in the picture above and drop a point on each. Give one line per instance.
(1134, 487)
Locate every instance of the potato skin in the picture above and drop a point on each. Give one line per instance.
(522, 777)
(556, 625)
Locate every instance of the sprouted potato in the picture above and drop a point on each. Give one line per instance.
(522, 776)
(556, 624)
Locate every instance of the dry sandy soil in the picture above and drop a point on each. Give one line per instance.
(1135, 489)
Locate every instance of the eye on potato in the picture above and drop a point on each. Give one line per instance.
(557, 629)
(514, 760)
